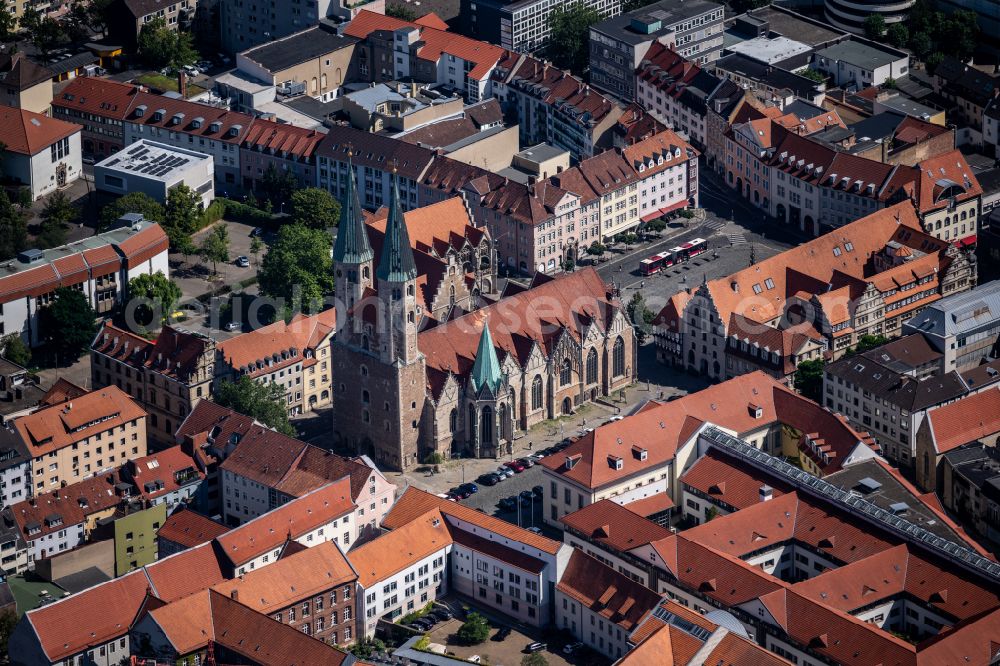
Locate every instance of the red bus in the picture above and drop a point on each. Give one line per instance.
(674, 255)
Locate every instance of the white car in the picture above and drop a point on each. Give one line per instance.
(234, 326)
(243, 262)
(475, 659)
(572, 647)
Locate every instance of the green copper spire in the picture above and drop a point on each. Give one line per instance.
(352, 240)
(486, 370)
(396, 263)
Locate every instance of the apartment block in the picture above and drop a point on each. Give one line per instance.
(167, 377)
(963, 328)
(522, 25)
(87, 436)
(619, 44)
(295, 356)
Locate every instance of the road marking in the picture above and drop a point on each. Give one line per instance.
(736, 239)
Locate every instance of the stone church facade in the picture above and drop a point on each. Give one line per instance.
(415, 374)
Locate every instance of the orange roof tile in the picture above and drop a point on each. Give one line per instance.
(172, 467)
(188, 528)
(289, 521)
(605, 591)
(407, 544)
(278, 345)
(185, 573)
(965, 420)
(302, 575)
(414, 503)
(59, 426)
(609, 523)
(59, 625)
(29, 133)
(434, 42)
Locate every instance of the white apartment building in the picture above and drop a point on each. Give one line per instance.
(39, 152)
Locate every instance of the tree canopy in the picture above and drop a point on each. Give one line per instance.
(401, 12)
(161, 293)
(809, 379)
(58, 212)
(215, 246)
(264, 402)
(642, 317)
(133, 202)
(298, 263)
(161, 46)
(8, 24)
(14, 349)
(874, 26)
(315, 208)
(13, 228)
(277, 186)
(569, 39)
(474, 630)
(68, 323)
(181, 215)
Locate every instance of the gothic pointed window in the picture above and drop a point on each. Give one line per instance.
(565, 373)
(592, 366)
(536, 392)
(619, 357)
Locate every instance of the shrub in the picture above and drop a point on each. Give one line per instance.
(475, 630)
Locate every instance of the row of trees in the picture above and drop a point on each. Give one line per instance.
(929, 33)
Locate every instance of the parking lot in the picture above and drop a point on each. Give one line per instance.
(530, 515)
(510, 650)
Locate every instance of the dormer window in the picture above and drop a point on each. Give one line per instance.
(140, 111)
(159, 114)
(196, 123)
(216, 126)
(616, 463)
(640, 452)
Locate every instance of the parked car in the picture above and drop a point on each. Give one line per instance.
(490, 479)
(537, 646)
(256, 231)
(475, 659)
(526, 498)
(514, 465)
(442, 614)
(502, 634)
(538, 491)
(505, 472)
(536, 530)
(243, 262)
(234, 326)
(458, 493)
(527, 463)
(507, 504)
(470, 488)
(572, 647)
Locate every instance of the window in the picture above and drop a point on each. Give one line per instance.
(565, 372)
(536, 392)
(592, 366)
(619, 357)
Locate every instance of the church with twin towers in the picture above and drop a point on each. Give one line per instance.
(430, 357)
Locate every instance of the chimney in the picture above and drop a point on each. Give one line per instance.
(235, 594)
(766, 493)
(182, 83)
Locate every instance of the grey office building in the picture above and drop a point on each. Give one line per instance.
(619, 44)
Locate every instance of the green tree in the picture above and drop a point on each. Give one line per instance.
(264, 402)
(159, 46)
(315, 208)
(183, 245)
(13, 228)
(959, 34)
(68, 323)
(365, 647)
(809, 379)
(898, 35)
(8, 25)
(44, 32)
(158, 289)
(474, 630)
(256, 247)
(58, 212)
(15, 351)
(933, 60)
(277, 186)
(596, 249)
(133, 202)
(921, 44)
(215, 246)
(874, 26)
(711, 513)
(401, 12)
(534, 659)
(656, 225)
(8, 620)
(866, 342)
(642, 317)
(813, 74)
(182, 213)
(569, 41)
(297, 263)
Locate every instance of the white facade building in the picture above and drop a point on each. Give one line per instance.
(155, 169)
(39, 152)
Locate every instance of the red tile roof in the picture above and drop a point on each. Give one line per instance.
(65, 507)
(965, 420)
(174, 353)
(433, 41)
(102, 97)
(606, 592)
(282, 139)
(29, 133)
(188, 528)
(418, 538)
(71, 625)
(233, 126)
(606, 522)
(166, 470)
(184, 573)
(289, 521)
(736, 487)
(414, 503)
(278, 345)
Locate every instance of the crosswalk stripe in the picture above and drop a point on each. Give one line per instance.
(737, 239)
